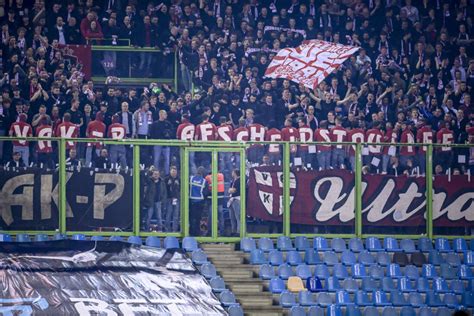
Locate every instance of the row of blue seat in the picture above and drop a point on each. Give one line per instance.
(353, 310)
(377, 298)
(372, 244)
(405, 285)
(360, 271)
(347, 257)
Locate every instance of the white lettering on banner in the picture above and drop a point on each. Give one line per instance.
(257, 135)
(21, 133)
(8, 198)
(356, 138)
(102, 200)
(67, 132)
(306, 134)
(374, 138)
(340, 134)
(206, 131)
(223, 132)
(447, 140)
(45, 132)
(241, 135)
(427, 139)
(410, 140)
(274, 148)
(187, 133)
(91, 306)
(309, 63)
(454, 211)
(97, 134)
(268, 199)
(325, 135)
(117, 132)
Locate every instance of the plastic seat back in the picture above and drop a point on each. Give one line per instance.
(356, 245)
(324, 299)
(388, 285)
(425, 244)
(321, 271)
(171, 242)
(370, 311)
(330, 258)
(457, 286)
(434, 257)
(423, 285)
(380, 298)
(257, 257)
(426, 311)
(465, 272)
(320, 243)
(440, 285)
(24, 238)
(453, 259)
(338, 244)
(429, 271)
(415, 299)
(352, 310)
(97, 238)
(383, 259)
(348, 258)
(460, 245)
(284, 243)
(362, 299)
(235, 310)
(369, 285)
(366, 258)
(227, 298)
(285, 271)
(334, 310)
(59, 236)
(358, 271)
(266, 272)
(208, 270)
(199, 257)
(116, 238)
(407, 311)
(5, 238)
(78, 237)
(265, 244)
(350, 285)
(303, 271)
(295, 284)
(406, 285)
(333, 284)
(313, 284)
(306, 298)
(450, 300)
(217, 284)
(391, 244)
(316, 311)
(442, 245)
(408, 245)
(433, 299)
(468, 299)
(394, 271)
(340, 271)
(449, 272)
(134, 240)
(277, 285)
(398, 299)
(418, 259)
(389, 311)
(297, 311)
(311, 256)
(376, 272)
(293, 258)
(153, 241)
(343, 298)
(189, 244)
(41, 237)
(275, 257)
(469, 258)
(287, 299)
(302, 243)
(411, 272)
(247, 244)
(400, 258)
(373, 244)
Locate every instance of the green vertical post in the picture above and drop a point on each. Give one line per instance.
(429, 191)
(176, 71)
(214, 201)
(286, 189)
(184, 191)
(136, 190)
(62, 186)
(243, 204)
(358, 190)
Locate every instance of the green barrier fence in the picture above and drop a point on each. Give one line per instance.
(290, 173)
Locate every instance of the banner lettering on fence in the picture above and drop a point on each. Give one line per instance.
(327, 198)
(30, 200)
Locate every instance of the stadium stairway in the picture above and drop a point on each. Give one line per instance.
(240, 277)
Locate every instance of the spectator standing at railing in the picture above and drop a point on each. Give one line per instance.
(16, 161)
(443, 155)
(91, 28)
(67, 129)
(407, 152)
(161, 129)
(95, 129)
(173, 186)
(117, 131)
(44, 147)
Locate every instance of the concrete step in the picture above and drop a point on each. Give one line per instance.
(217, 246)
(264, 311)
(246, 288)
(253, 300)
(232, 275)
(226, 261)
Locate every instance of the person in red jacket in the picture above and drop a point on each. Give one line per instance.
(21, 129)
(90, 27)
(66, 129)
(206, 131)
(355, 135)
(407, 152)
(185, 131)
(257, 134)
(290, 134)
(273, 135)
(225, 134)
(44, 148)
(117, 131)
(389, 151)
(374, 135)
(338, 134)
(424, 135)
(321, 135)
(95, 129)
(444, 154)
(305, 136)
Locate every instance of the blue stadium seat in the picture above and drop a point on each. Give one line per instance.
(343, 298)
(78, 237)
(457, 286)
(41, 237)
(321, 244)
(265, 244)
(153, 241)
(389, 311)
(297, 311)
(199, 257)
(432, 299)
(469, 258)
(380, 298)
(257, 257)
(316, 311)
(353, 310)
(313, 284)
(321, 271)
(208, 270)
(348, 258)
(405, 285)
(302, 243)
(450, 300)
(383, 259)
(277, 285)
(338, 244)
(398, 299)
(448, 272)
(361, 298)
(266, 272)
(408, 245)
(227, 298)
(434, 257)
(415, 299)
(376, 272)
(471, 245)
(411, 272)
(311, 257)
(235, 310)
(425, 244)
(189, 244)
(460, 245)
(247, 244)
(116, 238)
(359, 271)
(440, 285)
(470, 285)
(171, 242)
(442, 245)
(334, 310)
(287, 299)
(333, 284)
(350, 285)
(135, 240)
(388, 285)
(340, 271)
(303, 271)
(426, 311)
(5, 238)
(97, 238)
(324, 299)
(284, 243)
(285, 271)
(373, 244)
(465, 272)
(275, 257)
(330, 258)
(391, 244)
(23, 238)
(423, 285)
(366, 258)
(355, 245)
(369, 285)
(293, 258)
(394, 271)
(370, 311)
(468, 299)
(217, 284)
(59, 236)
(429, 271)
(407, 311)
(306, 298)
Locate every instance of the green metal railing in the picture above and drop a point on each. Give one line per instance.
(215, 147)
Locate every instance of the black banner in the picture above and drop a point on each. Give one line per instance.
(100, 278)
(30, 199)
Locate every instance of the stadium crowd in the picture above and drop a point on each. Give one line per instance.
(411, 81)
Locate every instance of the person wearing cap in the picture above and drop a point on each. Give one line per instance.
(22, 129)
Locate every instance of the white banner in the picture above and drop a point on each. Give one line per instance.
(310, 62)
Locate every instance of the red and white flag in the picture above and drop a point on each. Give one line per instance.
(309, 63)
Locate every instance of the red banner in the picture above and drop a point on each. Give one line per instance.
(79, 55)
(328, 198)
